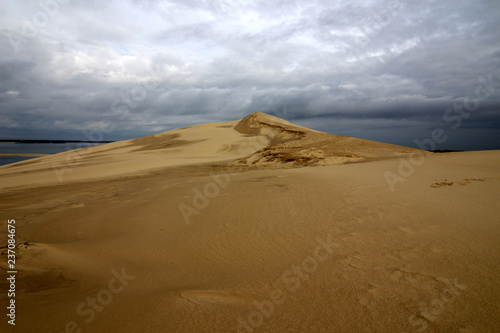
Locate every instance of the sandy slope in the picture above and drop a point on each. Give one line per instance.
(314, 249)
(192, 145)
(256, 140)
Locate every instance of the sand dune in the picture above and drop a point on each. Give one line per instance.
(194, 145)
(257, 140)
(221, 228)
(295, 145)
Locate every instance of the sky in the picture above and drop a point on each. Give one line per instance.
(415, 73)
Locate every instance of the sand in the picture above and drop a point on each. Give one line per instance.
(256, 225)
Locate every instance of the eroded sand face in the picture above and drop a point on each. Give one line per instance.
(205, 230)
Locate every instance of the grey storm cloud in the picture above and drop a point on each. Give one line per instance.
(380, 70)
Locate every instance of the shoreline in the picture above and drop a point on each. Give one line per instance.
(22, 155)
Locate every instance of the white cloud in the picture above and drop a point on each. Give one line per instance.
(219, 59)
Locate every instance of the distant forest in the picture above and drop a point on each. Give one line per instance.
(54, 141)
(445, 151)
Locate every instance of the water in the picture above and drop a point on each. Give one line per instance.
(12, 159)
(35, 148)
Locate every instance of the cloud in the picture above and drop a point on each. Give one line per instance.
(381, 70)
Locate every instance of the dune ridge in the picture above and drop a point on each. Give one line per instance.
(295, 145)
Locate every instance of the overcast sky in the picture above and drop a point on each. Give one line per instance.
(390, 71)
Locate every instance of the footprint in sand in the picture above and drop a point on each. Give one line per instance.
(407, 230)
(466, 181)
(73, 205)
(207, 297)
(369, 299)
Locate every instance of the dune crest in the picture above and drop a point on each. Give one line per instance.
(292, 145)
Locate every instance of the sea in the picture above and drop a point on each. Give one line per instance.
(35, 148)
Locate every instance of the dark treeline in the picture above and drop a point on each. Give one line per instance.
(445, 151)
(54, 141)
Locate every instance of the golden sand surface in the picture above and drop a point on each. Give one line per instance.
(256, 225)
